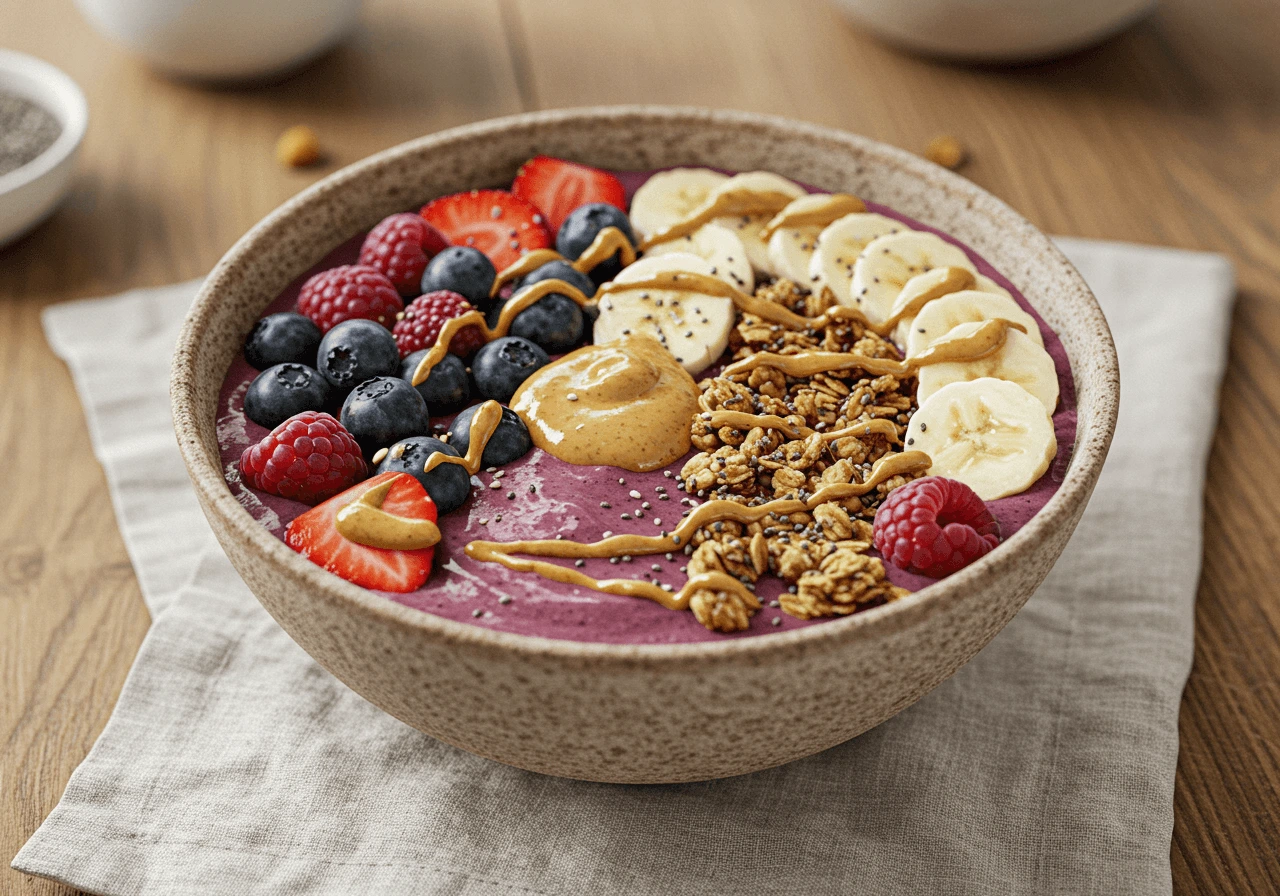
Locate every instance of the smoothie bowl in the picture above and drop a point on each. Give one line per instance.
(661, 445)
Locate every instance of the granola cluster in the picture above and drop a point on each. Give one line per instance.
(822, 553)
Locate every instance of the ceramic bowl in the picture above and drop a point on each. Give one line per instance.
(29, 194)
(623, 713)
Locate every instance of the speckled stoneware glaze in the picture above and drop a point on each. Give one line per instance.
(608, 712)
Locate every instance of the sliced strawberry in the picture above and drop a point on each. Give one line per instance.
(500, 225)
(558, 187)
(314, 534)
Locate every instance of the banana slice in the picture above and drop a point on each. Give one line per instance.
(669, 196)
(721, 247)
(1020, 360)
(943, 314)
(889, 262)
(986, 284)
(749, 227)
(790, 248)
(940, 282)
(839, 246)
(992, 435)
(693, 327)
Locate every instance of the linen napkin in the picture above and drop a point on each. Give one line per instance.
(233, 763)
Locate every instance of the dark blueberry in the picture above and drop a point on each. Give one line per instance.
(284, 338)
(448, 484)
(580, 229)
(508, 442)
(384, 410)
(464, 270)
(281, 391)
(446, 388)
(553, 322)
(357, 350)
(560, 270)
(502, 365)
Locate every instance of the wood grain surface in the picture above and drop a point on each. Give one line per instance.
(1166, 134)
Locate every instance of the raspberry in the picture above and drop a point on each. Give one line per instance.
(399, 247)
(349, 292)
(934, 526)
(420, 325)
(309, 457)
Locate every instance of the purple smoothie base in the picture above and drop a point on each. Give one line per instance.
(566, 501)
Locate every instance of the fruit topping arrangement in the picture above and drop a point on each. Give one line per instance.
(843, 392)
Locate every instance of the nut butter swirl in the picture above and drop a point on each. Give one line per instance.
(609, 241)
(365, 522)
(704, 515)
(814, 210)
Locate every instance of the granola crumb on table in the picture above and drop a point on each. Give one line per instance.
(822, 554)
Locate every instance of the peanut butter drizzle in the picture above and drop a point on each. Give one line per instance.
(746, 421)
(518, 302)
(730, 202)
(484, 422)
(987, 338)
(525, 264)
(704, 515)
(954, 280)
(365, 522)
(609, 241)
(817, 214)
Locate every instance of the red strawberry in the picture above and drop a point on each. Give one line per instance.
(500, 225)
(400, 247)
(558, 187)
(314, 534)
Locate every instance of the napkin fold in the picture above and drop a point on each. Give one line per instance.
(233, 763)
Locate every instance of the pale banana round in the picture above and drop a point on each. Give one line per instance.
(719, 246)
(748, 227)
(927, 281)
(669, 196)
(839, 245)
(1020, 361)
(992, 435)
(966, 306)
(887, 263)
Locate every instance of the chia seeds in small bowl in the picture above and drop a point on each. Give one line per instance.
(27, 129)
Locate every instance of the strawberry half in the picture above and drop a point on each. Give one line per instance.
(558, 187)
(500, 225)
(315, 536)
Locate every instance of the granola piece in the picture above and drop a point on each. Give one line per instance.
(723, 611)
(729, 556)
(834, 520)
(844, 582)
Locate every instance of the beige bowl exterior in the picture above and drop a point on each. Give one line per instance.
(607, 712)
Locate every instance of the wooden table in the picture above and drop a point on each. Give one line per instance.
(1167, 134)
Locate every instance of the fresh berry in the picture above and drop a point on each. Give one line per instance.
(501, 366)
(448, 484)
(284, 338)
(446, 388)
(509, 441)
(357, 350)
(426, 315)
(383, 410)
(463, 270)
(315, 535)
(308, 458)
(579, 230)
(554, 322)
(399, 247)
(349, 292)
(560, 270)
(558, 187)
(282, 391)
(500, 225)
(934, 526)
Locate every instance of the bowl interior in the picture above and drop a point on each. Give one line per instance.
(303, 230)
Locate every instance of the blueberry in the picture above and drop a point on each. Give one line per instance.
(447, 386)
(284, 338)
(464, 270)
(383, 410)
(357, 350)
(502, 365)
(580, 229)
(554, 322)
(509, 441)
(560, 270)
(281, 391)
(448, 484)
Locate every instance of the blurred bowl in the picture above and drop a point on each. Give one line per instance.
(994, 30)
(224, 40)
(30, 193)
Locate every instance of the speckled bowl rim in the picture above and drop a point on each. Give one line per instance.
(1092, 442)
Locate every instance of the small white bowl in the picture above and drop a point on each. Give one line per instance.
(30, 193)
(224, 40)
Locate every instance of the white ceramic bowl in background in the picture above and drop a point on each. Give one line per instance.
(224, 40)
(30, 193)
(995, 30)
